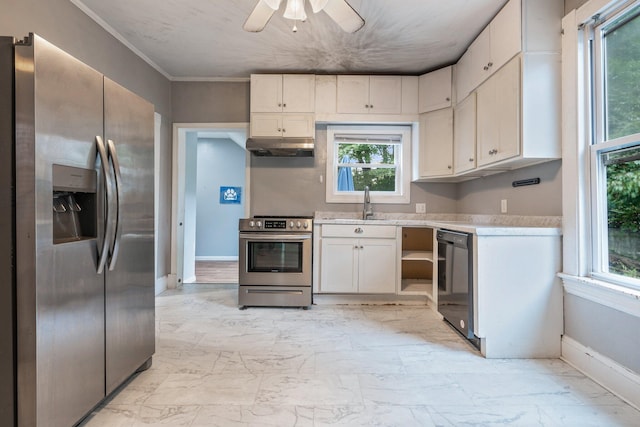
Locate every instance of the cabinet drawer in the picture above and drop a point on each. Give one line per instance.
(358, 230)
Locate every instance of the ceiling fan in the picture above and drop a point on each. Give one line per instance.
(338, 10)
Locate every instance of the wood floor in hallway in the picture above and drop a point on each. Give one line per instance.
(216, 271)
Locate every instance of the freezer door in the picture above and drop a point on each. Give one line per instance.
(60, 298)
(7, 289)
(129, 290)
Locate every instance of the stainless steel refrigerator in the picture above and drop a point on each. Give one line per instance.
(76, 235)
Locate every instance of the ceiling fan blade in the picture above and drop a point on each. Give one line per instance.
(259, 17)
(344, 15)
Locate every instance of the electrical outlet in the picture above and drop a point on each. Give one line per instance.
(421, 207)
(503, 206)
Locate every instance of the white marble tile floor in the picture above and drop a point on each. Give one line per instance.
(337, 365)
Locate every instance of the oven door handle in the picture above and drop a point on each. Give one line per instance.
(253, 236)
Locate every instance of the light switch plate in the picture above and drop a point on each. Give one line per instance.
(503, 206)
(421, 207)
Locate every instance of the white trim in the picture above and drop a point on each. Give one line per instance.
(212, 79)
(619, 380)
(216, 258)
(402, 195)
(619, 298)
(161, 284)
(157, 125)
(177, 188)
(190, 279)
(108, 28)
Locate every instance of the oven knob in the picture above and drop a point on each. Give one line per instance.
(306, 224)
(252, 224)
(298, 224)
(291, 224)
(259, 224)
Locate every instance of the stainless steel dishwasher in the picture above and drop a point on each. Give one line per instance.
(455, 281)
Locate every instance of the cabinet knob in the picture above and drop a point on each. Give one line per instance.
(361, 247)
(279, 130)
(371, 106)
(447, 99)
(492, 152)
(449, 167)
(284, 130)
(490, 64)
(358, 230)
(486, 67)
(471, 159)
(279, 104)
(284, 105)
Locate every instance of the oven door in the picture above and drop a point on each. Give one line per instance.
(272, 259)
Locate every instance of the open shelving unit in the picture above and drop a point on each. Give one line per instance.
(418, 265)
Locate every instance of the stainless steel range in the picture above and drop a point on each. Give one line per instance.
(275, 256)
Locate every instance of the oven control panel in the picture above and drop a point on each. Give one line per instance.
(276, 224)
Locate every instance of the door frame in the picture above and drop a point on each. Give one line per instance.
(180, 131)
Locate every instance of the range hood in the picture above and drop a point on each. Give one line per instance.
(281, 147)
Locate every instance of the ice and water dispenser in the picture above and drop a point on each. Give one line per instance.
(74, 204)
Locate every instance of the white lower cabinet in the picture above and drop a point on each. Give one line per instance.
(365, 264)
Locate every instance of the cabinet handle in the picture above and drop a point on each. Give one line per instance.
(471, 159)
(490, 64)
(447, 99)
(486, 67)
(371, 106)
(284, 105)
(358, 230)
(492, 152)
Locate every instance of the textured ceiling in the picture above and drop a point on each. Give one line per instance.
(201, 39)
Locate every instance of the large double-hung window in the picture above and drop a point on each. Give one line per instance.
(614, 47)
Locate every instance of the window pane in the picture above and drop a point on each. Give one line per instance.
(367, 164)
(367, 153)
(623, 211)
(622, 64)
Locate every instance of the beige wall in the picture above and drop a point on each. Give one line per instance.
(210, 102)
(64, 25)
(569, 5)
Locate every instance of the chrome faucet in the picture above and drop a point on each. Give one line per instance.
(367, 209)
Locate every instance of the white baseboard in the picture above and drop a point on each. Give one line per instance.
(216, 258)
(172, 281)
(161, 284)
(616, 378)
(190, 279)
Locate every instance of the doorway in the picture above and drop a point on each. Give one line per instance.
(205, 212)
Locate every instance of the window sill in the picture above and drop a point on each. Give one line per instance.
(610, 295)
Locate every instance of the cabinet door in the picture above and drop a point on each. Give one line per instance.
(481, 62)
(385, 94)
(298, 93)
(506, 34)
(436, 143)
(435, 90)
(498, 115)
(338, 265)
(298, 125)
(353, 94)
(266, 93)
(377, 266)
(266, 124)
(464, 135)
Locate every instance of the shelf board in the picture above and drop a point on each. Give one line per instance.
(417, 287)
(417, 256)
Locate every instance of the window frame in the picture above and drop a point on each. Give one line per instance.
(403, 169)
(598, 144)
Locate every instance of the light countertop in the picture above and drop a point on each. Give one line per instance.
(481, 225)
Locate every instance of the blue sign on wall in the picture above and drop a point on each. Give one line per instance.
(230, 195)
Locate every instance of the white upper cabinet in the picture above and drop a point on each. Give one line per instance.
(500, 41)
(464, 135)
(292, 125)
(434, 90)
(369, 94)
(288, 93)
(498, 115)
(436, 143)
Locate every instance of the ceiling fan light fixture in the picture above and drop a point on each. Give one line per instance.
(295, 10)
(318, 5)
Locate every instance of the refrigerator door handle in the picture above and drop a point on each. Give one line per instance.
(108, 230)
(115, 243)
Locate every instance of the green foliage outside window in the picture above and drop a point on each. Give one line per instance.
(373, 165)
